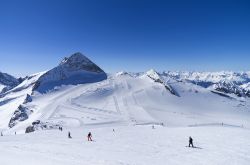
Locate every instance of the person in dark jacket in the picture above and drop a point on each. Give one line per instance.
(89, 136)
(190, 142)
(69, 136)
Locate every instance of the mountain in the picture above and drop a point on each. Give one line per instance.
(121, 99)
(77, 69)
(78, 93)
(7, 82)
(225, 82)
(122, 109)
(157, 78)
(74, 70)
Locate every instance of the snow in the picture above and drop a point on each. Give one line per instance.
(246, 86)
(130, 145)
(2, 87)
(80, 97)
(126, 100)
(153, 74)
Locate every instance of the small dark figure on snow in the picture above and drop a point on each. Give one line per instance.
(89, 136)
(1, 133)
(190, 142)
(69, 136)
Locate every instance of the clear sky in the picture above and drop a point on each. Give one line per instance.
(131, 35)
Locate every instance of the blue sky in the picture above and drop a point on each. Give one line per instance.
(131, 35)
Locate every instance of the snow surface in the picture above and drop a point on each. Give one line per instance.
(129, 145)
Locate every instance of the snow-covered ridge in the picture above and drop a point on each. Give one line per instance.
(157, 78)
(7, 82)
(214, 77)
(78, 61)
(225, 81)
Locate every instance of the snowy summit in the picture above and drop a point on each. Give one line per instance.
(76, 69)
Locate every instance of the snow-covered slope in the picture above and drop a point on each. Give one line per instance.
(126, 100)
(129, 145)
(78, 93)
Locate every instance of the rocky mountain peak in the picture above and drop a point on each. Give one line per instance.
(78, 61)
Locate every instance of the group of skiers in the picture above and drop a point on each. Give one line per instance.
(89, 136)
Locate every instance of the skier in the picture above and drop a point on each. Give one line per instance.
(190, 142)
(89, 136)
(69, 136)
(1, 133)
(153, 127)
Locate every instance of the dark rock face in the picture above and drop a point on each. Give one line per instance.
(27, 99)
(230, 88)
(78, 61)
(30, 129)
(40, 125)
(21, 114)
(36, 122)
(9, 81)
(77, 69)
